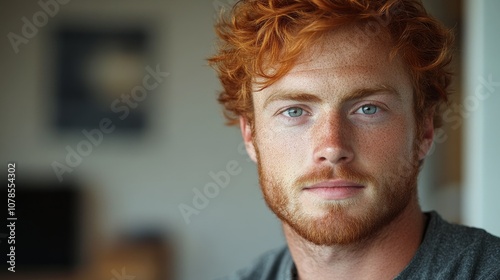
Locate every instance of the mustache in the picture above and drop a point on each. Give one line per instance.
(331, 173)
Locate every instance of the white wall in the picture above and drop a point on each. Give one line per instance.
(482, 72)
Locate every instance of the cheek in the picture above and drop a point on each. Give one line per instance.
(282, 152)
(387, 146)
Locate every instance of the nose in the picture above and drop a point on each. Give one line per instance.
(332, 140)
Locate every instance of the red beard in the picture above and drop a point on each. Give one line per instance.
(338, 225)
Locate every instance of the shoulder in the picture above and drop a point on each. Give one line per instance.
(451, 251)
(274, 264)
(464, 241)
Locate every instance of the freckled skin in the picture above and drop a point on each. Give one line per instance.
(380, 151)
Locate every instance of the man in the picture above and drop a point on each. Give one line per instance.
(337, 101)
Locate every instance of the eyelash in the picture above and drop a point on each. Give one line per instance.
(304, 112)
(378, 108)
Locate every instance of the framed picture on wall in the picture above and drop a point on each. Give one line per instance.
(96, 69)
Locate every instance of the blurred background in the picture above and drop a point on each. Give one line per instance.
(124, 168)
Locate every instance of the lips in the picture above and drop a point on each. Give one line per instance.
(335, 189)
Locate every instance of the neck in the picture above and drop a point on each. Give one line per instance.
(383, 256)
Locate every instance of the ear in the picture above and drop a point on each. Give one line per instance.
(246, 132)
(427, 136)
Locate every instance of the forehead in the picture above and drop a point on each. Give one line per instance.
(348, 46)
(347, 59)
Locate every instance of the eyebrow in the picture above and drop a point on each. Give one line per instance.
(291, 96)
(300, 96)
(364, 92)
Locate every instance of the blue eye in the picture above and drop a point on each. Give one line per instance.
(294, 112)
(369, 109)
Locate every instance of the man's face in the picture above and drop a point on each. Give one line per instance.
(335, 140)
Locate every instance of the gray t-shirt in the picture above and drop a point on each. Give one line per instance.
(448, 251)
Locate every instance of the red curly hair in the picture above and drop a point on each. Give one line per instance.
(257, 34)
